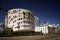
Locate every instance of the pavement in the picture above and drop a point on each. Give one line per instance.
(35, 37)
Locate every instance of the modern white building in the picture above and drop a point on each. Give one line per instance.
(24, 20)
(45, 29)
(20, 20)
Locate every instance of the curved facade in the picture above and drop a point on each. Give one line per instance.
(36, 21)
(20, 20)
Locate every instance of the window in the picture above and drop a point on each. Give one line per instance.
(24, 14)
(11, 19)
(19, 13)
(14, 21)
(19, 19)
(19, 22)
(19, 10)
(14, 16)
(29, 16)
(14, 11)
(18, 27)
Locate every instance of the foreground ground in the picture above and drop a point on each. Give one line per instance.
(36, 37)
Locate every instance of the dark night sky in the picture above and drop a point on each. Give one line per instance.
(45, 10)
